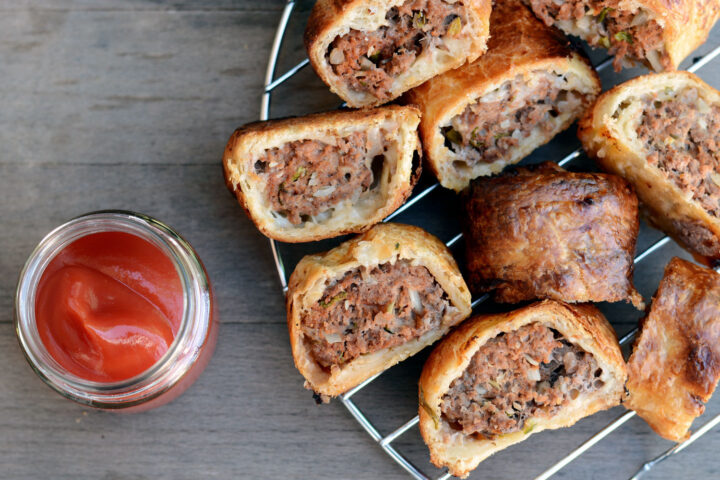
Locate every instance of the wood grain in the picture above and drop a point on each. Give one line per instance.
(112, 104)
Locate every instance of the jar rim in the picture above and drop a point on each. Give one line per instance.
(166, 371)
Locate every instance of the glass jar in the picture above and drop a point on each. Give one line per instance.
(184, 360)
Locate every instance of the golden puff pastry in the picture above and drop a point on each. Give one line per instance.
(675, 364)
(370, 303)
(371, 51)
(499, 378)
(324, 175)
(485, 115)
(542, 232)
(660, 132)
(657, 33)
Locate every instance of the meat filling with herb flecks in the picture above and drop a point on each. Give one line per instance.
(306, 178)
(682, 135)
(487, 129)
(627, 34)
(370, 309)
(369, 61)
(516, 377)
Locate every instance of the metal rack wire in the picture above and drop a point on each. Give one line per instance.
(386, 442)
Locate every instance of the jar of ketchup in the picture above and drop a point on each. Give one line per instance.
(114, 310)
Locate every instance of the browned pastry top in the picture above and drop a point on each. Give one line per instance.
(517, 37)
(543, 232)
(675, 364)
(582, 325)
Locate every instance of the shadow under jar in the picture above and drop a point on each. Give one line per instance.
(190, 338)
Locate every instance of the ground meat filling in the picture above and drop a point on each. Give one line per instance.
(516, 377)
(632, 35)
(308, 177)
(698, 236)
(488, 129)
(371, 309)
(681, 134)
(369, 61)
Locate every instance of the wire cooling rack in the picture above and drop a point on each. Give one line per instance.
(386, 442)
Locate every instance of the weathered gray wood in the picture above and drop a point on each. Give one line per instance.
(143, 5)
(191, 198)
(128, 87)
(249, 417)
(109, 104)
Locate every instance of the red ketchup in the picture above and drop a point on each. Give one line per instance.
(109, 306)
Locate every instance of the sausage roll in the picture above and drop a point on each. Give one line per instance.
(497, 379)
(493, 112)
(656, 33)
(324, 175)
(370, 303)
(662, 133)
(675, 364)
(542, 232)
(371, 51)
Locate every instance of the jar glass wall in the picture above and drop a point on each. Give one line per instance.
(186, 357)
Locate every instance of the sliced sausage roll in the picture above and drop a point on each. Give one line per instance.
(370, 303)
(675, 364)
(542, 232)
(658, 34)
(493, 112)
(371, 51)
(324, 175)
(662, 133)
(497, 379)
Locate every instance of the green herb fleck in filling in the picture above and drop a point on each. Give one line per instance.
(603, 14)
(298, 173)
(455, 27)
(333, 300)
(623, 37)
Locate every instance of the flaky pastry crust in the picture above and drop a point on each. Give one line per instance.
(685, 24)
(675, 364)
(519, 45)
(332, 18)
(543, 232)
(581, 325)
(612, 142)
(401, 168)
(384, 243)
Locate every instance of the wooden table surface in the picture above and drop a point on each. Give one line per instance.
(128, 104)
